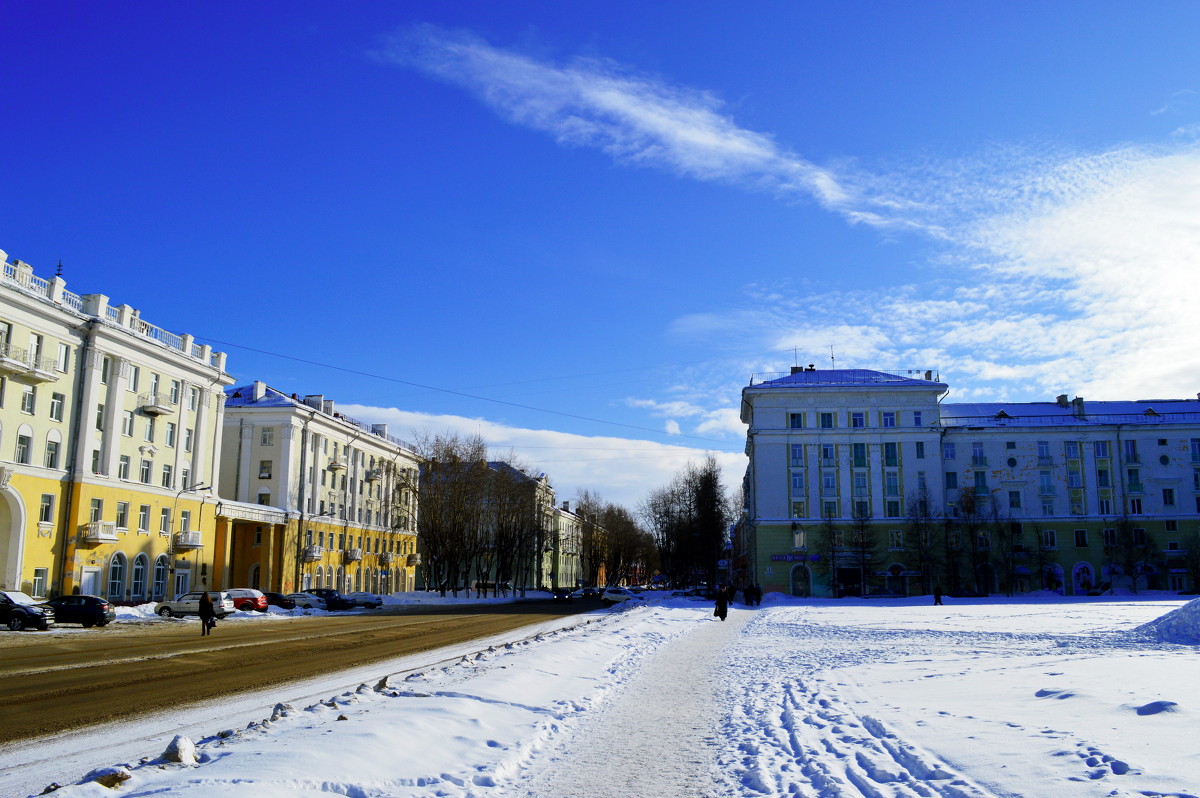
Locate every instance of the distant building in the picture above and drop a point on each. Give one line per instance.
(861, 481)
(318, 499)
(108, 446)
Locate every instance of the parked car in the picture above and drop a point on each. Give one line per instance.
(587, 592)
(21, 611)
(308, 601)
(279, 600)
(616, 595)
(333, 599)
(189, 604)
(87, 610)
(247, 598)
(560, 594)
(363, 598)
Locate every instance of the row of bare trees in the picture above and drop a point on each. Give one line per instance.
(689, 524)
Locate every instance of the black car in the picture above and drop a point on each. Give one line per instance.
(561, 594)
(87, 610)
(333, 599)
(279, 600)
(20, 611)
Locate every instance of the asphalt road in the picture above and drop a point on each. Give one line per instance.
(68, 678)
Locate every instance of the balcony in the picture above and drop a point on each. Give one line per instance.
(99, 532)
(372, 475)
(186, 541)
(13, 359)
(337, 465)
(313, 553)
(43, 370)
(155, 404)
(354, 555)
(413, 560)
(828, 462)
(386, 558)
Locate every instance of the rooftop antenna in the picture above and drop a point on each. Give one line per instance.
(795, 356)
(58, 272)
(832, 361)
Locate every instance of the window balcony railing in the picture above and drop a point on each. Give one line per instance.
(13, 359)
(354, 555)
(413, 560)
(979, 461)
(43, 369)
(156, 404)
(188, 540)
(337, 465)
(100, 532)
(386, 558)
(313, 553)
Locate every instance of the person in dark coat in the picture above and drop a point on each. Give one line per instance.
(208, 614)
(722, 603)
(937, 595)
(757, 594)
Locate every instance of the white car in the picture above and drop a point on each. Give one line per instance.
(189, 604)
(307, 601)
(365, 599)
(616, 595)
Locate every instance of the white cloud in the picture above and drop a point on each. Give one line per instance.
(620, 470)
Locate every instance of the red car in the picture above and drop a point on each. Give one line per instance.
(247, 598)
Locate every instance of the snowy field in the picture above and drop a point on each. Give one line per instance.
(984, 697)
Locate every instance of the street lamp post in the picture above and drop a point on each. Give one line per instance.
(171, 536)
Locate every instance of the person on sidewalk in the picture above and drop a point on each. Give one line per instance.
(937, 595)
(208, 614)
(722, 603)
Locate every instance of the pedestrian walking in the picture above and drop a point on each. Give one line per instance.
(757, 594)
(722, 603)
(937, 595)
(208, 614)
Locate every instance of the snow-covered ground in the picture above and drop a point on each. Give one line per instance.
(1018, 697)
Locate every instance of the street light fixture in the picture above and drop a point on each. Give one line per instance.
(171, 535)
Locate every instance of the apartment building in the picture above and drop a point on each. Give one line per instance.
(863, 481)
(314, 498)
(108, 443)
(566, 568)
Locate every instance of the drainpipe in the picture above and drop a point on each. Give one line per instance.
(89, 345)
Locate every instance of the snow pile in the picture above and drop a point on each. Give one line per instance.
(1180, 626)
(142, 612)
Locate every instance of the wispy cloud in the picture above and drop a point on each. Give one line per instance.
(621, 470)
(1176, 102)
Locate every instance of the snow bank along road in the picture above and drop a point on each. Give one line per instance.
(816, 699)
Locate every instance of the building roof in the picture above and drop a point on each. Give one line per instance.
(805, 377)
(1024, 414)
(243, 396)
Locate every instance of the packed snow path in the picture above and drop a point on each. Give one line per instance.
(674, 695)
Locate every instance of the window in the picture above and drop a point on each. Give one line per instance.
(826, 421)
(40, 577)
(135, 374)
(983, 540)
(264, 469)
(951, 480)
(1131, 455)
(24, 449)
(123, 467)
(137, 581)
(829, 483)
(154, 381)
(1103, 479)
(1102, 448)
(168, 476)
(795, 421)
(1168, 497)
(29, 400)
(1045, 483)
(144, 472)
(1133, 478)
(1074, 478)
(921, 486)
(896, 539)
(1049, 539)
(122, 515)
(916, 418)
(948, 450)
(264, 497)
(891, 483)
(981, 482)
(1072, 449)
(1014, 500)
(858, 420)
(96, 510)
(127, 424)
(185, 520)
(1081, 539)
(144, 518)
(798, 482)
(828, 454)
(920, 450)
(150, 428)
(171, 430)
(1135, 506)
(891, 454)
(1010, 445)
(164, 520)
(889, 419)
(859, 451)
(185, 477)
(799, 511)
(1171, 525)
(116, 577)
(46, 509)
(105, 370)
(63, 361)
(1047, 507)
(829, 509)
(1104, 506)
(52, 449)
(57, 401)
(1139, 536)
(860, 484)
(1196, 450)
(160, 577)
(797, 455)
(175, 392)
(95, 461)
(978, 459)
(187, 440)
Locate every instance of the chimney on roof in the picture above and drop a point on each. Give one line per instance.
(1061, 399)
(260, 390)
(929, 375)
(314, 400)
(379, 429)
(796, 370)
(567, 505)
(1077, 406)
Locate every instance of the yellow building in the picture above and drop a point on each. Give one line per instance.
(109, 439)
(314, 498)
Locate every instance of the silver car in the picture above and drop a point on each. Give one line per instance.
(189, 604)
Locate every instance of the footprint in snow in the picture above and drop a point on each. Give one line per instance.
(1155, 707)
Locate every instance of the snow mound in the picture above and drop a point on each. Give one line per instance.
(1177, 626)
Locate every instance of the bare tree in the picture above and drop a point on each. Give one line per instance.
(921, 527)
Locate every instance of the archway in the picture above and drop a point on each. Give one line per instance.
(12, 540)
(255, 571)
(116, 578)
(137, 578)
(800, 580)
(1083, 578)
(1052, 578)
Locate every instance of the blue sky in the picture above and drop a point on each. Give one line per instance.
(577, 229)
